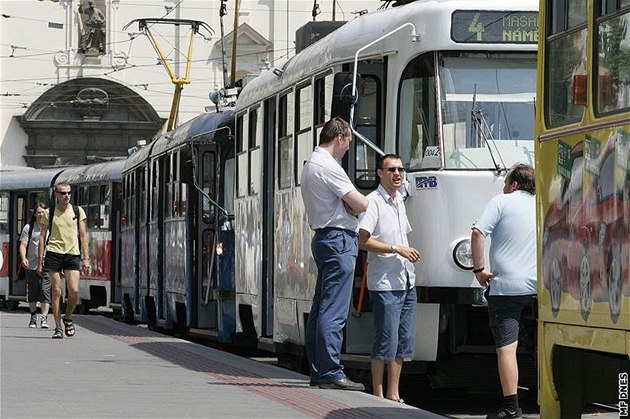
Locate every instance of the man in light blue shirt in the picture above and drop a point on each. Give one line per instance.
(511, 283)
(383, 230)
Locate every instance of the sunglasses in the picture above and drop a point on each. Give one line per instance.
(63, 193)
(394, 169)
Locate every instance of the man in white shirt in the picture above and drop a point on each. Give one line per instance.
(383, 230)
(512, 283)
(332, 205)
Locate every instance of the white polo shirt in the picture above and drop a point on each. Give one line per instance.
(324, 184)
(386, 221)
(511, 221)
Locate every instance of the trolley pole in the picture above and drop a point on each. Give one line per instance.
(223, 12)
(234, 35)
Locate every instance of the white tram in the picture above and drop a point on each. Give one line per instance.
(449, 85)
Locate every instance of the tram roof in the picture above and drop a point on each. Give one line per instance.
(340, 45)
(139, 156)
(28, 179)
(108, 171)
(201, 126)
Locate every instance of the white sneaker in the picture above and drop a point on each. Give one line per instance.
(44, 323)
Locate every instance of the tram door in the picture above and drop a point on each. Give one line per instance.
(20, 209)
(361, 163)
(268, 192)
(206, 284)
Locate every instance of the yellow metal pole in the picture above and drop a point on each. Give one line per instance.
(174, 106)
(162, 57)
(189, 58)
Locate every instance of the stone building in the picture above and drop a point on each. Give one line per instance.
(81, 82)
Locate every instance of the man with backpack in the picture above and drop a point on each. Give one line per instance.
(67, 233)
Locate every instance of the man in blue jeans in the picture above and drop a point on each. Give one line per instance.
(332, 205)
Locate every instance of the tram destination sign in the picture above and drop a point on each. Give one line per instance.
(494, 27)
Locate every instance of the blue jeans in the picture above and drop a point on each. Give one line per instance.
(394, 322)
(335, 253)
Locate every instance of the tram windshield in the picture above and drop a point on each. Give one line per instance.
(486, 117)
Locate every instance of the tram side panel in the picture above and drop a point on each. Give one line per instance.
(295, 270)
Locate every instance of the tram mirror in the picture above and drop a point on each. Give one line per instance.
(186, 165)
(579, 89)
(343, 99)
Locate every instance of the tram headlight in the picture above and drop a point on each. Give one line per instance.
(462, 254)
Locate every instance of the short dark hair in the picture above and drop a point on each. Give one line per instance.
(331, 129)
(523, 175)
(382, 159)
(61, 184)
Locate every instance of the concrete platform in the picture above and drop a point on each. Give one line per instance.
(114, 370)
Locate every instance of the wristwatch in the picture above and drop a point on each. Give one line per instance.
(393, 249)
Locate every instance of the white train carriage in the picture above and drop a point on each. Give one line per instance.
(448, 85)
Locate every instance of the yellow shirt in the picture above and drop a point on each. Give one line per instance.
(64, 237)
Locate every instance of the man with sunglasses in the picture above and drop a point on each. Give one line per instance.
(332, 204)
(383, 231)
(63, 254)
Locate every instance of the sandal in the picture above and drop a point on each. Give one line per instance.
(58, 333)
(401, 401)
(69, 324)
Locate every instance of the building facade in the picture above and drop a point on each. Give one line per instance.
(82, 81)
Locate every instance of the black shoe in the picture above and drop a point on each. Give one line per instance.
(313, 383)
(505, 413)
(343, 384)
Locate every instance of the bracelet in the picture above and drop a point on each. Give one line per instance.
(476, 271)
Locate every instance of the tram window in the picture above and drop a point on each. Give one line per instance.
(285, 143)
(177, 202)
(93, 208)
(255, 171)
(285, 115)
(566, 58)
(131, 202)
(304, 109)
(255, 128)
(155, 189)
(367, 124)
(175, 185)
(242, 178)
(228, 185)
(613, 73)
(565, 14)
(417, 113)
(106, 205)
(168, 193)
(142, 202)
(578, 10)
(4, 213)
(240, 144)
(208, 186)
(38, 197)
(304, 118)
(323, 99)
(21, 211)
